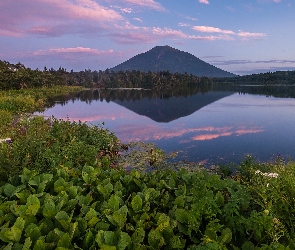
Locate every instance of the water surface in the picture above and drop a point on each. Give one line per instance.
(203, 126)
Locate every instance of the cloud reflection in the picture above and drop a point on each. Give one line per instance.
(151, 132)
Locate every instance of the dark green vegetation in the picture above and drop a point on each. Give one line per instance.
(17, 76)
(63, 186)
(166, 58)
(269, 78)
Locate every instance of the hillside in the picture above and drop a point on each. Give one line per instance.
(163, 58)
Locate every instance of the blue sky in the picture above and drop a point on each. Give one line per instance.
(242, 37)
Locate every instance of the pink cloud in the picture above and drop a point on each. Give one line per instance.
(204, 1)
(210, 29)
(147, 3)
(206, 137)
(227, 34)
(250, 35)
(83, 9)
(73, 50)
(167, 32)
(224, 131)
(53, 16)
(137, 19)
(247, 131)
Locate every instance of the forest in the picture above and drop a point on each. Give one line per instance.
(269, 78)
(17, 76)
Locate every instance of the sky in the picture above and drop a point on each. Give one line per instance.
(239, 36)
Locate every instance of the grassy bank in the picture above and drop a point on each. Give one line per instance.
(16, 102)
(63, 187)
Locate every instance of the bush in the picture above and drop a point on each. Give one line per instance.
(43, 144)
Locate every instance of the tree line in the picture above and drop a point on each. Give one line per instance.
(269, 78)
(17, 76)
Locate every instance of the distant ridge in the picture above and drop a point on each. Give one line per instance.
(163, 58)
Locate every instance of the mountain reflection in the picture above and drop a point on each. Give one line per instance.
(166, 105)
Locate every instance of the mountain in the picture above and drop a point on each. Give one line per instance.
(163, 58)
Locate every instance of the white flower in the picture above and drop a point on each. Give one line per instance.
(272, 175)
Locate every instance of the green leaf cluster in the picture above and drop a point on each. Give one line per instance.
(110, 208)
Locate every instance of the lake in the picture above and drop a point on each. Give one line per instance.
(208, 125)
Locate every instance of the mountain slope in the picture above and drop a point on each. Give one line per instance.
(163, 58)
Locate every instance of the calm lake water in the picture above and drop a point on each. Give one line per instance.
(208, 126)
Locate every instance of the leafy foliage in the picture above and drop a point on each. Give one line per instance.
(43, 144)
(109, 208)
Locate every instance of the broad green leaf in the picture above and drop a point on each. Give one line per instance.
(163, 222)
(171, 183)
(138, 235)
(73, 229)
(60, 185)
(155, 239)
(23, 196)
(65, 241)
(102, 226)
(109, 187)
(8, 247)
(9, 190)
(181, 215)
(27, 244)
(124, 241)
(226, 236)
(32, 231)
(73, 191)
(70, 205)
(19, 209)
(33, 205)
(40, 181)
(82, 225)
(84, 199)
(110, 238)
(64, 219)
(179, 201)
(27, 175)
(135, 174)
(40, 244)
(14, 233)
(136, 203)
(91, 213)
(46, 226)
(176, 243)
(100, 238)
(93, 222)
(120, 216)
(219, 198)
(114, 203)
(62, 215)
(88, 240)
(54, 236)
(102, 190)
(49, 209)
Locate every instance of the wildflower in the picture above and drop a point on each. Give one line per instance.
(272, 175)
(7, 140)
